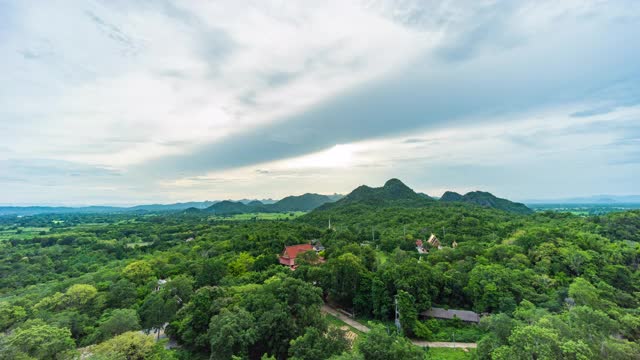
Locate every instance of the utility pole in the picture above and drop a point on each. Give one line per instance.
(329, 222)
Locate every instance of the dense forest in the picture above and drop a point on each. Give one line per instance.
(549, 285)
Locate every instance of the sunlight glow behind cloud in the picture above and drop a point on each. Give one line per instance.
(129, 102)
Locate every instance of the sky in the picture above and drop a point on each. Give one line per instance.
(120, 102)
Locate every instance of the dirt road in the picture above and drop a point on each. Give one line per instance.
(359, 326)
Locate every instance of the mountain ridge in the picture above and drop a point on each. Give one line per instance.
(393, 192)
(304, 202)
(486, 199)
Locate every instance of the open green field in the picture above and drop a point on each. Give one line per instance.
(261, 216)
(339, 323)
(449, 354)
(13, 232)
(584, 209)
(432, 353)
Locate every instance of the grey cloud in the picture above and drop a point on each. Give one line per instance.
(53, 168)
(112, 31)
(12, 179)
(592, 112)
(421, 98)
(172, 73)
(529, 141)
(416, 141)
(29, 55)
(280, 78)
(215, 43)
(630, 158)
(489, 30)
(468, 29)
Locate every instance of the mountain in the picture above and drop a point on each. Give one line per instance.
(228, 207)
(263, 201)
(34, 210)
(451, 196)
(304, 202)
(171, 207)
(425, 196)
(486, 199)
(393, 193)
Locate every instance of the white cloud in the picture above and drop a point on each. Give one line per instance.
(107, 86)
(187, 72)
(547, 146)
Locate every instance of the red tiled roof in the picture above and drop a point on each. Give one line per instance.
(292, 252)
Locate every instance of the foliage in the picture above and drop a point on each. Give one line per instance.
(314, 345)
(130, 346)
(553, 284)
(37, 340)
(378, 345)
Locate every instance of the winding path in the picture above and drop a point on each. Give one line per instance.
(359, 326)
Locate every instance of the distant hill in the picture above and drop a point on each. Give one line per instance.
(595, 199)
(228, 207)
(451, 196)
(486, 199)
(263, 201)
(171, 207)
(34, 210)
(306, 202)
(425, 196)
(393, 193)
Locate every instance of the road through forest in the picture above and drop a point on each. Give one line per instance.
(359, 326)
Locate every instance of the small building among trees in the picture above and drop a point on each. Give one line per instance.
(441, 313)
(420, 247)
(434, 241)
(290, 253)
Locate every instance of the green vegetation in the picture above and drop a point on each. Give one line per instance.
(486, 199)
(585, 209)
(449, 354)
(17, 232)
(555, 285)
(447, 330)
(302, 203)
(262, 216)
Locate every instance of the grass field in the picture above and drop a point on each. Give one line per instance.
(261, 216)
(339, 323)
(432, 353)
(449, 354)
(21, 232)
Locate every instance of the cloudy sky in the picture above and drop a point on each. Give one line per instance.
(128, 102)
